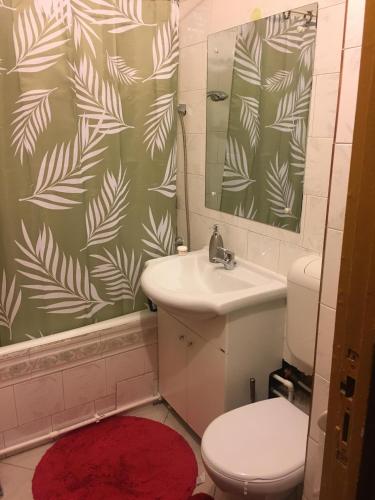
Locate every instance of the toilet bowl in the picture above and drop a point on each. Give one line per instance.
(257, 450)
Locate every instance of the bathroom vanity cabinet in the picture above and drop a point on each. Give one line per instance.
(205, 366)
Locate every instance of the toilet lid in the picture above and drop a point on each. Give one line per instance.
(262, 441)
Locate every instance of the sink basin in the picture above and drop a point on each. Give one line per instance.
(192, 284)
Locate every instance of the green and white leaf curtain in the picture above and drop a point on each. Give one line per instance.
(267, 129)
(87, 158)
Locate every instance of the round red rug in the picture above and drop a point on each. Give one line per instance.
(128, 458)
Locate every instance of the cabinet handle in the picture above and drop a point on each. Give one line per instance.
(190, 344)
(181, 337)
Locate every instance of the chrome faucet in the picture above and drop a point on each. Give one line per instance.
(227, 258)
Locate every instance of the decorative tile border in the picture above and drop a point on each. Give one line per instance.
(49, 354)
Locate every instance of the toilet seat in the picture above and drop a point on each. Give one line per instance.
(261, 445)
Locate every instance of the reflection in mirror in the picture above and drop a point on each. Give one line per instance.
(259, 90)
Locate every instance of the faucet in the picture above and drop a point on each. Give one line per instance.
(228, 258)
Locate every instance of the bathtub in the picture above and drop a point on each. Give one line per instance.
(55, 384)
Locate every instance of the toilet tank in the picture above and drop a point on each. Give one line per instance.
(302, 310)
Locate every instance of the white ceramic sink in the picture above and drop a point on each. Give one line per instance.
(193, 285)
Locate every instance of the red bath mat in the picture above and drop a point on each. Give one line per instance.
(128, 458)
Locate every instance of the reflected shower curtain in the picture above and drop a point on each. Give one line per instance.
(87, 158)
(269, 113)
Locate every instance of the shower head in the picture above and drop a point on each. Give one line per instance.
(217, 95)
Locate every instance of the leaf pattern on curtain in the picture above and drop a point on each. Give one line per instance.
(3, 6)
(165, 49)
(168, 185)
(279, 81)
(280, 190)
(298, 147)
(161, 236)
(61, 176)
(250, 214)
(59, 278)
(105, 213)
(236, 168)
(250, 118)
(99, 100)
(122, 277)
(306, 56)
(283, 34)
(33, 116)
(124, 14)
(159, 123)
(265, 155)
(120, 71)
(248, 55)
(10, 301)
(89, 160)
(293, 107)
(80, 25)
(75, 14)
(37, 41)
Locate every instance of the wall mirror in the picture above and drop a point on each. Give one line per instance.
(258, 101)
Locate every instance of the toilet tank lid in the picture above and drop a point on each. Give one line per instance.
(306, 272)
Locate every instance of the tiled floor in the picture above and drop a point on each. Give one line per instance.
(16, 472)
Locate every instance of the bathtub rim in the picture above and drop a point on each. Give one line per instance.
(143, 318)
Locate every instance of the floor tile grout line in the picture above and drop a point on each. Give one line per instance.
(32, 469)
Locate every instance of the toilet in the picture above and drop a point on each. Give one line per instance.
(258, 451)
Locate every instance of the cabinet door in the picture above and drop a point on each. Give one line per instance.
(172, 362)
(205, 383)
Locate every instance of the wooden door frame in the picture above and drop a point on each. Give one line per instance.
(354, 340)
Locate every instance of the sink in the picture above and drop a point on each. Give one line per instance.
(193, 285)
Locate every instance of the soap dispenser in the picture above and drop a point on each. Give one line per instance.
(216, 242)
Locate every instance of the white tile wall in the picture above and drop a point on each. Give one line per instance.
(122, 366)
(190, 56)
(8, 413)
(248, 237)
(348, 99)
(313, 471)
(325, 341)
(339, 188)
(318, 166)
(315, 217)
(325, 108)
(331, 268)
(84, 383)
(73, 416)
(263, 250)
(320, 403)
(194, 21)
(140, 387)
(329, 61)
(106, 404)
(39, 397)
(354, 25)
(28, 431)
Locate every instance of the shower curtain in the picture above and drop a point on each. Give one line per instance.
(87, 158)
